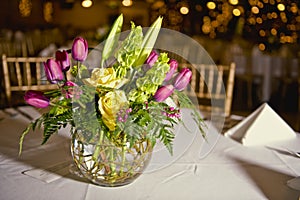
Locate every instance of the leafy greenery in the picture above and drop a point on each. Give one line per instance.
(185, 102)
(147, 85)
(59, 116)
(128, 52)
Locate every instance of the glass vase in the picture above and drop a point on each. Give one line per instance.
(108, 163)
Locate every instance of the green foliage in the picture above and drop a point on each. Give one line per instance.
(59, 116)
(150, 121)
(147, 84)
(129, 50)
(79, 68)
(185, 102)
(52, 123)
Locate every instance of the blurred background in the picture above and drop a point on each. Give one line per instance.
(260, 36)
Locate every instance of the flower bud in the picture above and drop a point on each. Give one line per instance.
(152, 58)
(62, 57)
(173, 67)
(163, 92)
(69, 89)
(79, 49)
(182, 79)
(36, 99)
(53, 71)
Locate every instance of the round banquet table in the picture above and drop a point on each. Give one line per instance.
(226, 170)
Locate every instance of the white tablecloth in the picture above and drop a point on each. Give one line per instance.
(229, 171)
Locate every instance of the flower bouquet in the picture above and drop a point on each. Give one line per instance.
(118, 110)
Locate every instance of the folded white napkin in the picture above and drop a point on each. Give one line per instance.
(294, 183)
(262, 127)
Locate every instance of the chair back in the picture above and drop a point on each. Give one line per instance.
(212, 87)
(24, 73)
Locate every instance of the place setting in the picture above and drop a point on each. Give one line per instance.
(278, 137)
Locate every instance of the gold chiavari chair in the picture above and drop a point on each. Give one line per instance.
(22, 74)
(212, 87)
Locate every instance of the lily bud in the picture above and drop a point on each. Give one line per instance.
(163, 92)
(173, 67)
(182, 79)
(36, 99)
(62, 57)
(79, 49)
(53, 71)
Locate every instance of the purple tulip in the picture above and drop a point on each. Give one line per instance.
(163, 92)
(182, 79)
(173, 67)
(152, 58)
(79, 49)
(36, 99)
(53, 71)
(62, 57)
(69, 89)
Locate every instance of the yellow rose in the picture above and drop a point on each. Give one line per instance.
(109, 106)
(105, 77)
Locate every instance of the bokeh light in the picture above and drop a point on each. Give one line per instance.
(127, 3)
(211, 5)
(25, 7)
(236, 12)
(281, 7)
(86, 3)
(184, 10)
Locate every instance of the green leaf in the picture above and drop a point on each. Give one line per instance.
(112, 39)
(167, 138)
(149, 41)
(185, 102)
(31, 126)
(25, 132)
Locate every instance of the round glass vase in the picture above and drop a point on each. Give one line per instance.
(109, 164)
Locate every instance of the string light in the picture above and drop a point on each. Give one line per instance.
(273, 31)
(86, 3)
(281, 7)
(211, 5)
(255, 10)
(48, 11)
(294, 8)
(273, 21)
(25, 7)
(261, 46)
(127, 3)
(184, 10)
(233, 2)
(262, 33)
(236, 12)
(259, 20)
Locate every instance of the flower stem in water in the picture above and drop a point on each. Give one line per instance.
(98, 146)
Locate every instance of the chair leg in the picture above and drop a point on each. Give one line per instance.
(8, 99)
(282, 96)
(249, 95)
(299, 96)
